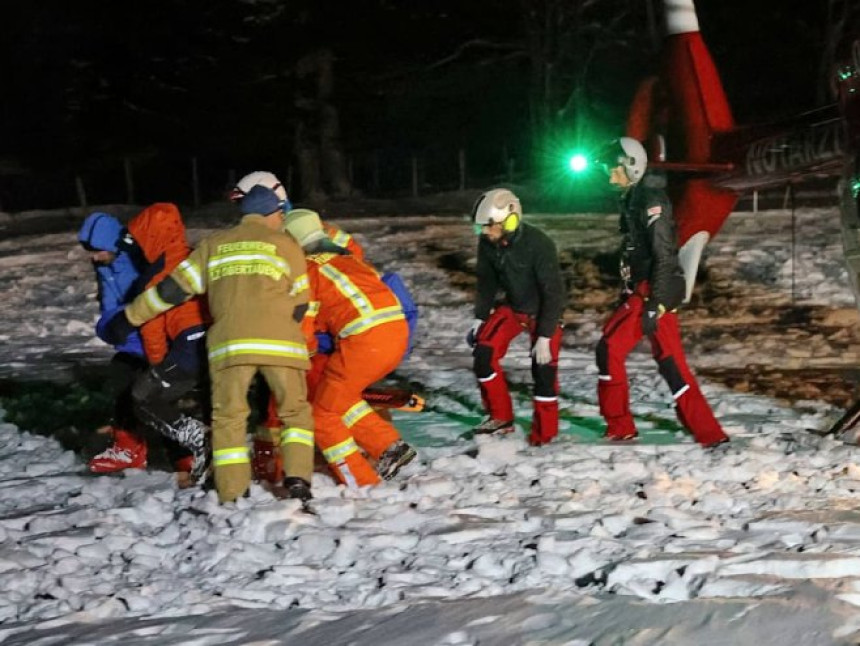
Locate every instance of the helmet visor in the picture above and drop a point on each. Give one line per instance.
(610, 156)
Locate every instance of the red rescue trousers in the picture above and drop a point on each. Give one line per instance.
(621, 333)
(491, 345)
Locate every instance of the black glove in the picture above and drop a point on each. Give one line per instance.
(650, 314)
(118, 329)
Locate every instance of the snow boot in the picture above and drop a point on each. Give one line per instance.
(266, 461)
(491, 426)
(395, 457)
(193, 435)
(128, 451)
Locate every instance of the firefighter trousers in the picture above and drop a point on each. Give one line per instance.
(491, 345)
(621, 333)
(230, 409)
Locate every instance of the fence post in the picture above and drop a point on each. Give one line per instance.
(414, 176)
(195, 183)
(129, 181)
(461, 160)
(755, 201)
(82, 193)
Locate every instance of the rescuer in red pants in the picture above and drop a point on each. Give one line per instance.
(654, 288)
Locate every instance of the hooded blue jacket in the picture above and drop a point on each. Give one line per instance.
(117, 280)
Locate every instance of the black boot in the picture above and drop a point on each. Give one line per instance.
(297, 488)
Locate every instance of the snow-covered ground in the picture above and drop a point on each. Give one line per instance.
(576, 543)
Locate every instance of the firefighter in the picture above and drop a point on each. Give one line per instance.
(653, 287)
(264, 178)
(521, 261)
(352, 304)
(256, 284)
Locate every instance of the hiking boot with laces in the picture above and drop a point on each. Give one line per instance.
(395, 457)
(193, 435)
(127, 452)
(492, 426)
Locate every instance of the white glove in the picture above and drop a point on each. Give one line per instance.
(472, 334)
(541, 351)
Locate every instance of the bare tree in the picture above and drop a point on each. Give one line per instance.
(842, 26)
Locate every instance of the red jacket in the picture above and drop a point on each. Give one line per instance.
(160, 234)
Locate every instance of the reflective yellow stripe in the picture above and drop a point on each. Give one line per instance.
(154, 302)
(349, 289)
(267, 347)
(378, 317)
(297, 436)
(240, 264)
(233, 455)
(191, 273)
(355, 413)
(300, 284)
(313, 308)
(341, 238)
(340, 451)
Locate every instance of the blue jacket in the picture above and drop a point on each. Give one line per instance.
(116, 281)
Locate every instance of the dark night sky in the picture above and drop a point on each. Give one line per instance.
(89, 80)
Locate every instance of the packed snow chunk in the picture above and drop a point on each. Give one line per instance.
(315, 547)
(336, 512)
(588, 562)
(495, 452)
(102, 609)
(456, 465)
(796, 566)
(14, 559)
(436, 486)
(553, 564)
(149, 512)
(271, 521)
(739, 588)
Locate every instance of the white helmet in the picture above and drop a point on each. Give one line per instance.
(498, 205)
(627, 153)
(258, 177)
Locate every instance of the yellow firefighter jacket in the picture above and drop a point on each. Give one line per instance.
(255, 279)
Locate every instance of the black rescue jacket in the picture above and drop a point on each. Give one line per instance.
(650, 245)
(525, 267)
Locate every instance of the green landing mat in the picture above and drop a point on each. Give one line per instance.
(437, 428)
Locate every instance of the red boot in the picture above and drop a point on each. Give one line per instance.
(128, 451)
(266, 462)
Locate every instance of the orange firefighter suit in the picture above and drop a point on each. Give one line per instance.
(351, 303)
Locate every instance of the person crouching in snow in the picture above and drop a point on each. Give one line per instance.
(256, 285)
(654, 287)
(352, 304)
(174, 341)
(522, 261)
(116, 277)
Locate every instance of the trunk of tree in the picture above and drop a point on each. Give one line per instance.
(322, 163)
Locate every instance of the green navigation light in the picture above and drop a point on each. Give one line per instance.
(578, 163)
